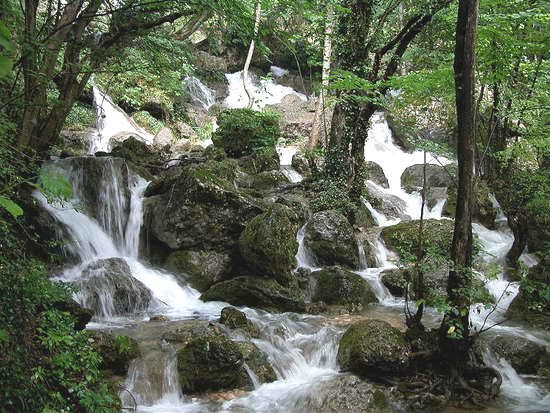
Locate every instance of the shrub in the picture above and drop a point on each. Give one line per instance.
(81, 117)
(147, 121)
(245, 132)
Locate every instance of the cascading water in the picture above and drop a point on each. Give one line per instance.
(200, 92)
(112, 123)
(286, 153)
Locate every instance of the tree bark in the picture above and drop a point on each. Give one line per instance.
(257, 18)
(457, 320)
(318, 127)
(518, 225)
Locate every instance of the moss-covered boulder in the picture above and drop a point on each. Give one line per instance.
(524, 355)
(436, 176)
(116, 351)
(108, 288)
(81, 315)
(338, 286)
(257, 361)
(201, 269)
(259, 162)
(209, 363)
(198, 208)
(373, 347)
(259, 292)
(235, 319)
(329, 237)
(139, 153)
(394, 280)
(245, 131)
(268, 243)
(375, 173)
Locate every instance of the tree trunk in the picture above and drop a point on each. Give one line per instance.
(257, 18)
(318, 127)
(456, 321)
(518, 224)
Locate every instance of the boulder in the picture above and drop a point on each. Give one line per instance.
(301, 164)
(329, 237)
(436, 176)
(390, 205)
(484, 210)
(209, 63)
(139, 153)
(268, 243)
(257, 361)
(524, 355)
(199, 208)
(259, 292)
(81, 315)
(336, 285)
(259, 162)
(235, 319)
(116, 351)
(75, 142)
(201, 269)
(394, 280)
(108, 287)
(164, 137)
(375, 173)
(344, 394)
(373, 347)
(210, 363)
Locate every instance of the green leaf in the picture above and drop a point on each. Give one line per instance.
(10, 206)
(5, 66)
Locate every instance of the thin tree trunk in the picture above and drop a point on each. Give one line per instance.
(257, 18)
(457, 321)
(518, 224)
(319, 119)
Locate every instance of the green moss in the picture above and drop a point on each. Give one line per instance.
(338, 286)
(80, 117)
(148, 122)
(245, 131)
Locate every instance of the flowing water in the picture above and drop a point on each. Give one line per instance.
(200, 92)
(103, 222)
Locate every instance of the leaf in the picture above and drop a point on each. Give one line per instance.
(10, 206)
(451, 330)
(5, 66)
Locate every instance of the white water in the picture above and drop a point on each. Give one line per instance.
(200, 92)
(112, 123)
(286, 153)
(266, 92)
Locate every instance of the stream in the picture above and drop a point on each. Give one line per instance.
(301, 348)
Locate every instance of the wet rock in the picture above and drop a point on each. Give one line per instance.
(107, 285)
(201, 269)
(210, 363)
(301, 164)
(159, 318)
(375, 173)
(116, 351)
(259, 162)
(181, 333)
(268, 243)
(329, 237)
(434, 195)
(139, 153)
(75, 142)
(81, 315)
(394, 280)
(235, 319)
(258, 292)
(257, 361)
(297, 116)
(390, 205)
(483, 209)
(345, 394)
(373, 347)
(436, 176)
(336, 285)
(211, 64)
(200, 208)
(164, 137)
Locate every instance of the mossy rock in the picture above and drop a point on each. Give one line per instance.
(437, 176)
(375, 173)
(147, 121)
(371, 348)
(258, 292)
(116, 351)
(235, 319)
(256, 163)
(268, 243)
(395, 280)
(201, 269)
(244, 132)
(338, 286)
(210, 363)
(330, 238)
(258, 362)
(81, 315)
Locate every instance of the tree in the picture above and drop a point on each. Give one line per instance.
(370, 53)
(455, 326)
(319, 123)
(69, 43)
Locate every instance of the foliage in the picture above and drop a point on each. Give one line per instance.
(80, 117)
(538, 293)
(6, 50)
(245, 131)
(331, 195)
(148, 122)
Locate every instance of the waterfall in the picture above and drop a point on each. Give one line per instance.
(200, 92)
(112, 123)
(286, 153)
(303, 256)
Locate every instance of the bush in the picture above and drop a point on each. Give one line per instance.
(330, 195)
(81, 117)
(245, 132)
(147, 121)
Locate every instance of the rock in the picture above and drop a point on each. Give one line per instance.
(329, 237)
(259, 162)
(209, 363)
(297, 116)
(159, 318)
(201, 269)
(258, 292)
(373, 347)
(394, 280)
(522, 354)
(156, 109)
(400, 135)
(375, 173)
(257, 361)
(436, 176)
(199, 209)
(164, 137)
(344, 394)
(301, 164)
(338, 286)
(81, 315)
(436, 194)
(107, 287)
(185, 130)
(235, 319)
(268, 243)
(390, 205)
(116, 351)
(210, 63)
(483, 208)
(75, 142)
(139, 153)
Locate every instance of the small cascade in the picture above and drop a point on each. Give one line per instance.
(303, 256)
(112, 123)
(266, 92)
(200, 92)
(286, 153)
(379, 218)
